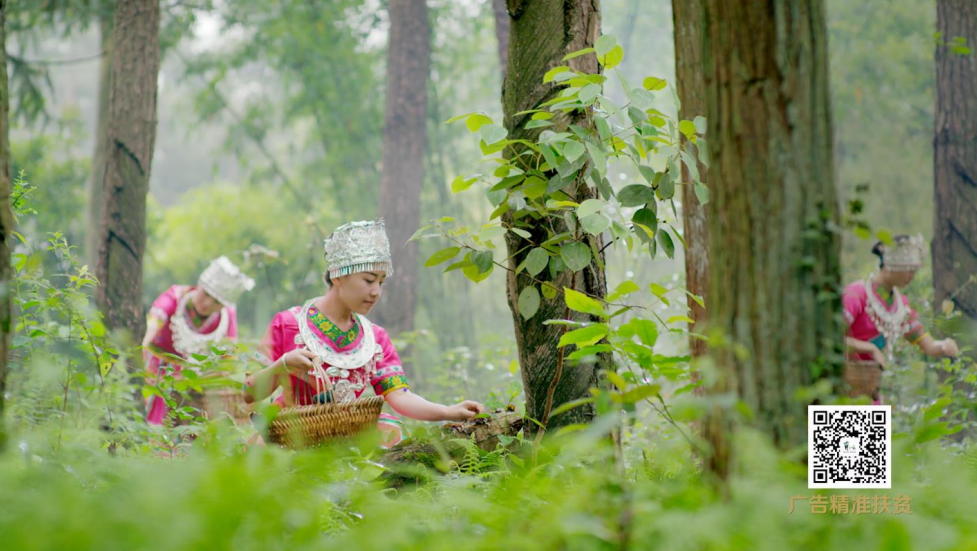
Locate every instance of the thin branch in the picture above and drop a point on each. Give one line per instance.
(69, 61)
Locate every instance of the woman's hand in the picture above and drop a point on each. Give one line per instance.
(878, 357)
(464, 411)
(298, 362)
(949, 348)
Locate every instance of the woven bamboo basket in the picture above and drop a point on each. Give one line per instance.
(863, 378)
(218, 402)
(311, 426)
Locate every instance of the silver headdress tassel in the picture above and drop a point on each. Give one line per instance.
(906, 255)
(358, 247)
(224, 281)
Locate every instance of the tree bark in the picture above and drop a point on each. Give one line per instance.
(687, 18)
(502, 33)
(404, 139)
(773, 246)
(6, 222)
(131, 135)
(955, 159)
(94, 212)
(542, 33)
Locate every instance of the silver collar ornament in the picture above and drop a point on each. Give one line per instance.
(358, 247)
(224, 281)
(186, 340)
(892, 324)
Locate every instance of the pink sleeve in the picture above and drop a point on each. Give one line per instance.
(914, 328)
(273, 343)
(165, 305)
(853, 303)
(232, 324)
(389, 375)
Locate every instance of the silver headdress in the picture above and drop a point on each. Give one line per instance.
(358, 247)
(224, 281)
(906, 255)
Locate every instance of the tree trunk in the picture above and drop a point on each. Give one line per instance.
(94, 213)
(502, 33)
(687, 18)
(773, 246)
(955, 159)
(6, 222)
(131, 134)
(542, 33)
(404, 139)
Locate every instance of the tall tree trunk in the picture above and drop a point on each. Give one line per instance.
(6, 222)
(404, 139)
(94, 212)
(131, 135)
(773, 247)
(687, 18)
(955, 159)
(502, 33)
(542, 33)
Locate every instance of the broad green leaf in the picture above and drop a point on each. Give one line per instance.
(640, 393)
(473, 273)
(674, 319)
(701, 193)
(645, 330)
(595, 224)
(542, 116)
(576, 255)
(604, 44)
(573, 150)
(528, 302)
(666, 185)
(655, 83)
(597, 156)
(579, 302)
(551, 74)
(549, 291)
(442, 255)
(577, 53)
(461, 183)
(588, 207)
(496, 197)
(476, 121)
(617, 380)
(584, 337)
(658, 290)
(458, 118)
(567, 406)
(588, 93)
(482, 260)
(646, 217)
(613, 57)
(536, 261)
(535, 187)
(700, 124)
(521, 233)
(603, 129)
(625, 288)
(642, 99)
(492, 133)
(647, 173)
(537, 124)
(635, 195)
(666, 242)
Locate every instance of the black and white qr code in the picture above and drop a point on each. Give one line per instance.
(849, 447)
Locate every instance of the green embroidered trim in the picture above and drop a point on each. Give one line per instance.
(329, 329)
(391, 383)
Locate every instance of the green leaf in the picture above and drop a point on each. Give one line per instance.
(613, 57)
(477, 121)
(642, 99)
(701, 193)
(537, 124)
(666, 186)
(458, 118)
(576, 255)
(473, 273)
(674, 319)
(579, 302)
(521, 233)
(461, 183)
(567, 406)
(595, 224)
(603, 129)
(528, 302)
(482, 260)
(573, 150)
(588, 207)
(645, 330)
(655, 83)
(700, 124)
(687, 128)
(577, 53)
(597, 156)
(442, 256)
(658, 290)
(588, 93)
(625, 288)
(493, 133)
(618, 381)
(551, 74)
(665, 241)
(646, 217)
(605, 44)
(535, 187)
(639, 393)
(584, 337)
(635, 195)
(536, 261)
(549, 291)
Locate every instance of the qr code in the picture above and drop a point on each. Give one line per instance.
(849, 447)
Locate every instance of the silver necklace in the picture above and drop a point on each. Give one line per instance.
(186, 340)
(891, 324)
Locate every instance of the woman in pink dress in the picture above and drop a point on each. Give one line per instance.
(188, 320)
(333, 329)
(878, 314)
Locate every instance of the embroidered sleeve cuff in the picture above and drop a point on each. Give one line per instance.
(914, 339)
(389, 384)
